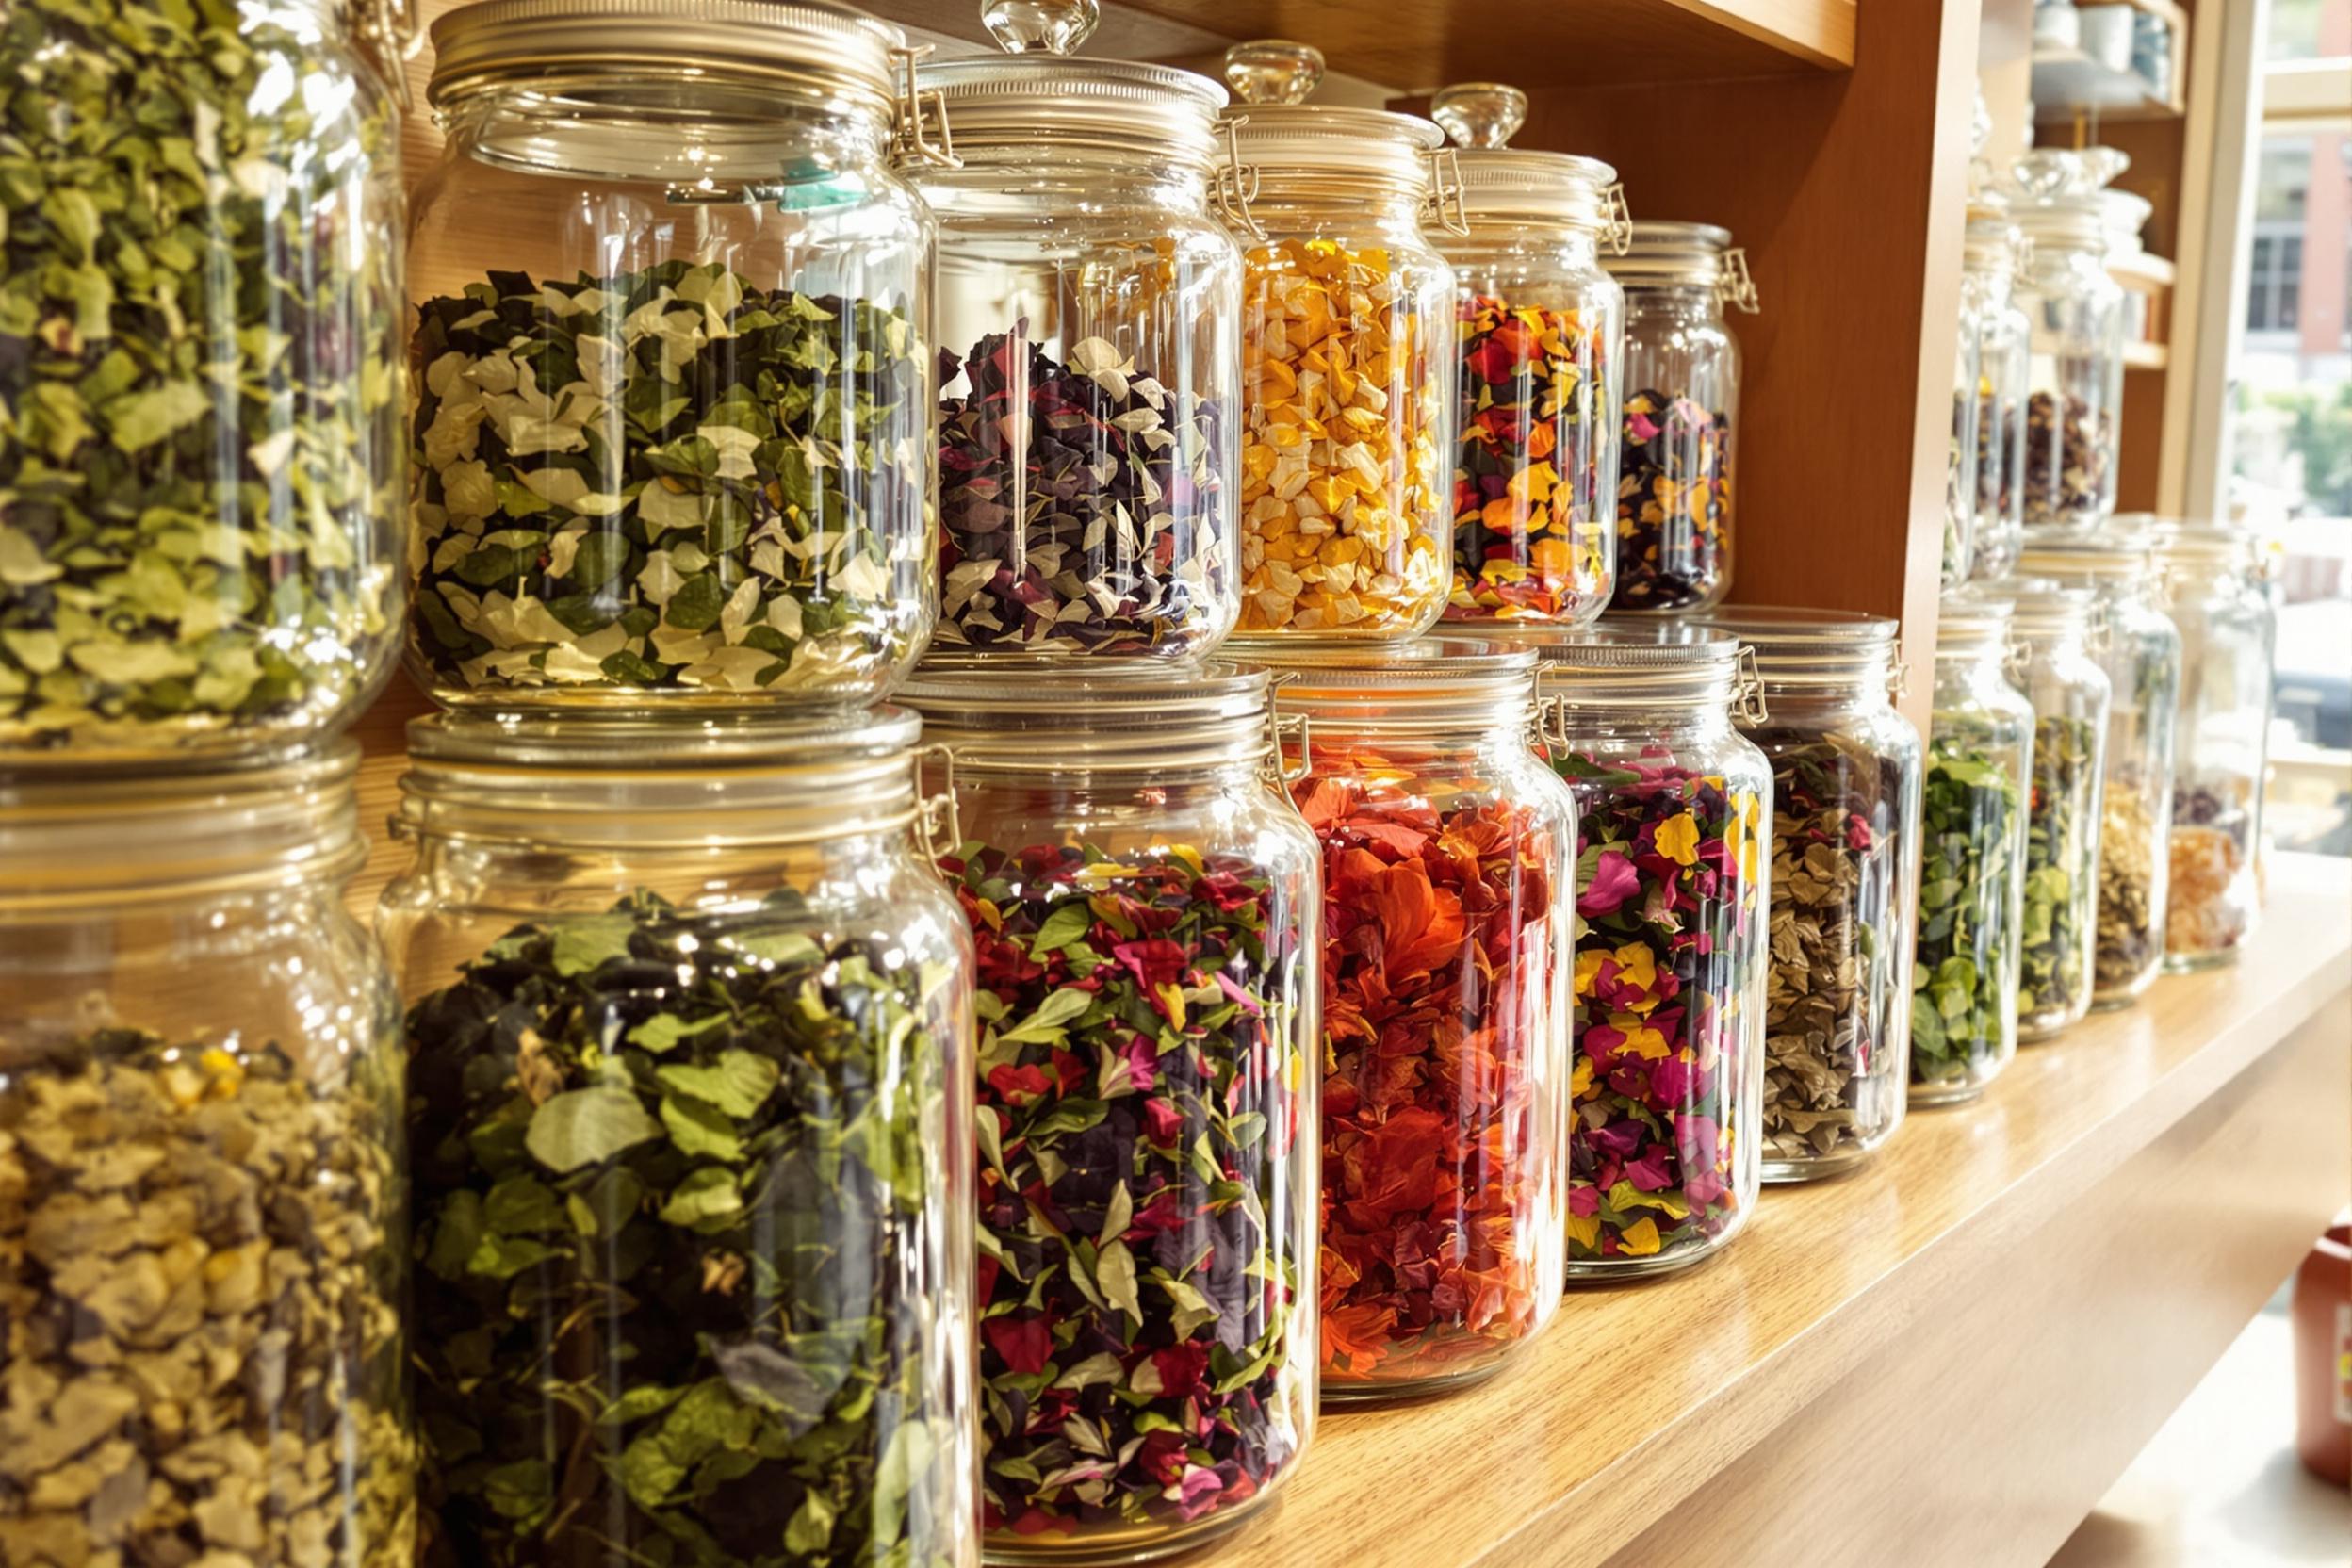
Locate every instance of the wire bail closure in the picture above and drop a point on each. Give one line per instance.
(1898, 672)
(1737, 288)
(1747, 700)
(1448, 200)
(933, 811)
(1237, 184)
(396, 32)
(915, 107)
(1617, 224)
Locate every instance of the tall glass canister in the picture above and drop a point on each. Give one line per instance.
(2074, 402)
(674, 424)
(2138, 646)
(1448, 865)
(1846, 773)
(1671, 980)
(1348, 362)
(689, 1094)
(1973, 826)
(202, 1175)
(1144, 901)
(1681, 390)
(202, 464)
(2228, 637)
(1089, 306)
(2004, 361)
(2054, 663)
(1541, 331)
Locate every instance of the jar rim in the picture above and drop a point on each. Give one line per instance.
(1570, 191)
(1968, 622)
(592, 741)
(1808, 648)
(989, 714)
(1362, 148)
(2041, 607)
(2097, 555)
(1662, 252)
(1015, 105)
(821, 44)
(172, 831)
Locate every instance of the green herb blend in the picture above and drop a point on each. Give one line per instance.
(1963, 976)
(200, 391)
(669, 480)
(690, 1225)
(2061, 875)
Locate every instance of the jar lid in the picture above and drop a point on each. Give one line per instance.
(1503, 182)
(1661, 253)
(595, 777)
(820, 45)
(1428, 679)
(1809, 648)
(1083, 719)
(2105, 556)
(1636, 661)
(1025, 103)
(1990, 244)
(2040, 607)
(1969, 622)
(2058, 193)
(170, 831)
(2212, 543)
(1282, 135)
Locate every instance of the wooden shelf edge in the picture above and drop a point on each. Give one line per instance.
(1820, 32)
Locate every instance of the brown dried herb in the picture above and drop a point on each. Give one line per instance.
(2129, 946)
(2068, 452)
(203, 1351)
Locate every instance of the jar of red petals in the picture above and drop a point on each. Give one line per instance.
(1142, 900)
(1668, 977)
(1447, 849)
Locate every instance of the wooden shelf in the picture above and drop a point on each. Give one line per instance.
(2145, 356)
(2067, 82)
(1942, 1360)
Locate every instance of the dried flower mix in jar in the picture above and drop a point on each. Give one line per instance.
(2130, 940)
(1669, 983)
(1681, 375)
(1447, 848)
(1347, 344)
(1091, 377)
(2070, 453)
(675, 430)
(199, 387)
(2075, 312)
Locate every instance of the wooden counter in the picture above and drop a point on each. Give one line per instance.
(1943, 1359)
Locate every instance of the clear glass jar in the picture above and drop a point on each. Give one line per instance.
(1144, 904)
(202, 1170)
(1671, 978)
(1960, 473)
(1973, 826)
(2004, 361)
(2074, 402)
(2228, 642)
(2138, 646)
(674, 421)
(1845, 869)
(688, 1094)
(1089, 306)
(1449, 896)
(1681, 385)
(1348, 408)
(1541, 326)
(2054, 664)
(200, 543)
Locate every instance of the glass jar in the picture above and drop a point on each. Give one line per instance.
(201, 1175)
(200, 542)
(1973, 827)
(2074, 402)
(1681, 381)
(1670, 984)
(1448, 870)
(1540, 332)
(2004, 361)
(1347, 358)
(1960, 473)
(2054, 666)
(2136, 644)
(1845, 869)
(1089, 307)
(2228, 639)
(686, 1092)
(1143, 900)
(674, 427)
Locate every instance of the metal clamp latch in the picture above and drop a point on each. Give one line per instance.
(1747, 701)
(916, 108)
(1737, 288)
(1447, 199)
(1237, 185)
(1282, 731)
(396, 32)
(1617, 219)
(1898, 673)
(942, 809)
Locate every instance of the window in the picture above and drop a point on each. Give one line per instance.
(2275, 277)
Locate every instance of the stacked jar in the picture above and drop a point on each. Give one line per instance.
(2051, 630)
(202, 1160)
(1973, 826)
(2074, 402)
(1347, 344)
(1144, 903)
(1541, 334)
(2137, 646)
(2001, 338)
(1669, 981)
(2214, 593)
(1844, 875)
(689, 1012)
(1681, 374)
(1449, 867)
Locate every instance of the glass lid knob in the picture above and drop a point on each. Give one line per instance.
(1273, 71)
(1040, 26)
(1479, 114)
